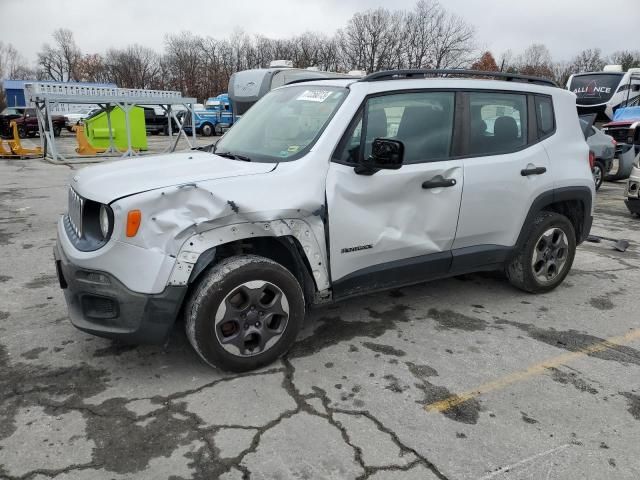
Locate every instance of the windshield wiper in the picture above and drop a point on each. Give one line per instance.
(233, 156)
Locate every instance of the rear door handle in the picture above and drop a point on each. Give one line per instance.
(439, 182)
(533, 171)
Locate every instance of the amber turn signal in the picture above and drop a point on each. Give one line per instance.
(134, 217)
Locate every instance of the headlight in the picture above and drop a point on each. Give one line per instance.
(104, 221)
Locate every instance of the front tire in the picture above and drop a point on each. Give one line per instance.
(245, 313)
(598, 172)
(207, 130)
(545, 258)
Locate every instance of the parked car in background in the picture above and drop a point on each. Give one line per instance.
(27, 122)
(632, 190)
(325, 190)
(603, 147)
(625, 129)
(76, 117)
(156, 121)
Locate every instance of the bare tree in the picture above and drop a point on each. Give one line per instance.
(329, 56)
(184, 61)
(133, 67)
(562, 71)
(371, 40)
(589, 60)
(452, 42)
(418, 33)
(506, 62)
(92, 68)
(536, 61)
(12, 64)
(627, 58)
(60, 61)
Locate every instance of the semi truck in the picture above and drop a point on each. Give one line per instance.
(215, 117)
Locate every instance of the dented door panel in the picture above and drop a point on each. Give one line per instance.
(389, 216)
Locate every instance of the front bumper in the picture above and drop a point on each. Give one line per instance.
(633, 205)
(100, 304)
(622, 162)
(632, 191)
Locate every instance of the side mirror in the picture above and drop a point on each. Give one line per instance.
(386, 154)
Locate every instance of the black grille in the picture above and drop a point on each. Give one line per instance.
(99, 307)
(74, 213)
(620, 135)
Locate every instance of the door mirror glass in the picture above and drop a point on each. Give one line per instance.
(386, 154)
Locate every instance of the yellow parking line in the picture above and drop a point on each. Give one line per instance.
(537, 369)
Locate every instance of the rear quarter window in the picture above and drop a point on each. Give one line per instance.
(545, 116)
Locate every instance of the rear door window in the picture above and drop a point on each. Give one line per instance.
(498, 123)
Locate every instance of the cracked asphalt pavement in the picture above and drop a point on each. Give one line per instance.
(465, 378)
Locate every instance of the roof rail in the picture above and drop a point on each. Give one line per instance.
(301, 80)
(424, 73)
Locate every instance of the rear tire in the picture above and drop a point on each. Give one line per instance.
(245, 313)
(545, 258)
(57, 131)
(22, 131)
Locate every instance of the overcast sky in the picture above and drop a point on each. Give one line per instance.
(565, 26)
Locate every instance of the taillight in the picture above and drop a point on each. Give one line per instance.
(592, 159)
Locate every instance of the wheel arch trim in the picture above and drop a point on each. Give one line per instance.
(580, 194)
(199, 250)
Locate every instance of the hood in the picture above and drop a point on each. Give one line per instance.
(110, 181)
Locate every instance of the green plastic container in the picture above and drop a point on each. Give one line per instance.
(97, 129)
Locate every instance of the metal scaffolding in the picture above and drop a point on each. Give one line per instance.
(45, 96)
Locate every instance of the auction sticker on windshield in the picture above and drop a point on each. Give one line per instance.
(314, 95)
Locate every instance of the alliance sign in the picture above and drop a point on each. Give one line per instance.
(592, 90)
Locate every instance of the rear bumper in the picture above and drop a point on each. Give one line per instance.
(100, 304)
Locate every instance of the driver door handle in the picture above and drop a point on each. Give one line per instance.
(533, 171)
(439, 182)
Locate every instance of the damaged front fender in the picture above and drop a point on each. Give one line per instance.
(299, 229)
(187, 220)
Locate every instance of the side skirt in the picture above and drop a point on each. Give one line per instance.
(420, 269)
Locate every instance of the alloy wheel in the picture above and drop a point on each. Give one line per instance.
(251, 318)
(597, 174)
(550, 255)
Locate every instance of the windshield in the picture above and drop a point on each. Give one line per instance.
(595, 88)
(284, 124)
